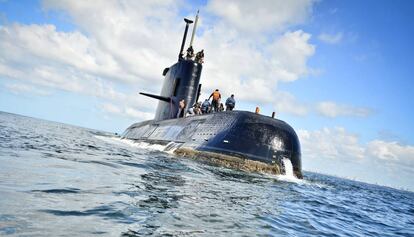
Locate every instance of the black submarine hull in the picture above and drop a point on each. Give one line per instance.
(241, 134)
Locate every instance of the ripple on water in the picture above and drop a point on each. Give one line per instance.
(58, 191)
(110, 212)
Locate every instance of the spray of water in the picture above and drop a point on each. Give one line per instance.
(169, 148)
(289, 176)
(288, 167)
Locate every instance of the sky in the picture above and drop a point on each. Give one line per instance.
(339, 72)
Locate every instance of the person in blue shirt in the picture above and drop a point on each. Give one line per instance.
(230, 103)
(205, 107)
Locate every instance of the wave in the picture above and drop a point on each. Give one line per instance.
(168, 148)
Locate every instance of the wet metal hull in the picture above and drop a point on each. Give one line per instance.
(242, 135)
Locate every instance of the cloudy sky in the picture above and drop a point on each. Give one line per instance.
(340, 72)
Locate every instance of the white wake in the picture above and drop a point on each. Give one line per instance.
(169, 148)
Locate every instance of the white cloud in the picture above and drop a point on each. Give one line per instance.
(392, 151)
(267, 15)
(126, 111)
(335, 151)
(111, 108)
(42, 56)
(138, 36)
(133, 113)
(287, 103)
(128, 43)
(331, 38)
(238, 67)
(337, 143)
(290, 54)
(22, 89)
(334, 143)
(332, 110)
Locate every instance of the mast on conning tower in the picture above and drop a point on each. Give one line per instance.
(194, 29)
(187, 23)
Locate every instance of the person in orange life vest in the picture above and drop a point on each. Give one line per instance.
(216, 99)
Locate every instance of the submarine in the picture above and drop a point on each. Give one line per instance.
(236, 139)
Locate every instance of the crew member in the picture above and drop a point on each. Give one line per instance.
(221, 107)
(216, 100)
(181, 109)
(199, 58)
(197, 108)
(230, 103)
(205, 107)
(190, 53)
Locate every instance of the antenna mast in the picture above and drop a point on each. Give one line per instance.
(194, 29)
(187, 23)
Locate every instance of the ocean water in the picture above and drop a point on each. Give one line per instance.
(62, 180)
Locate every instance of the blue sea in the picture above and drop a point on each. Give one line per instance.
(63, 180)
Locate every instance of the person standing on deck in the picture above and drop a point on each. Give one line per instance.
(205, 107)
(216, 99)
(230, 103)
(181, 109)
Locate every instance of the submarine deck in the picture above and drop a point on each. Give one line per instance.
(235, 133)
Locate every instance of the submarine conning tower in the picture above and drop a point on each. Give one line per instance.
(181, 82)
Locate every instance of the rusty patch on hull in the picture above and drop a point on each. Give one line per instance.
(229, 161)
